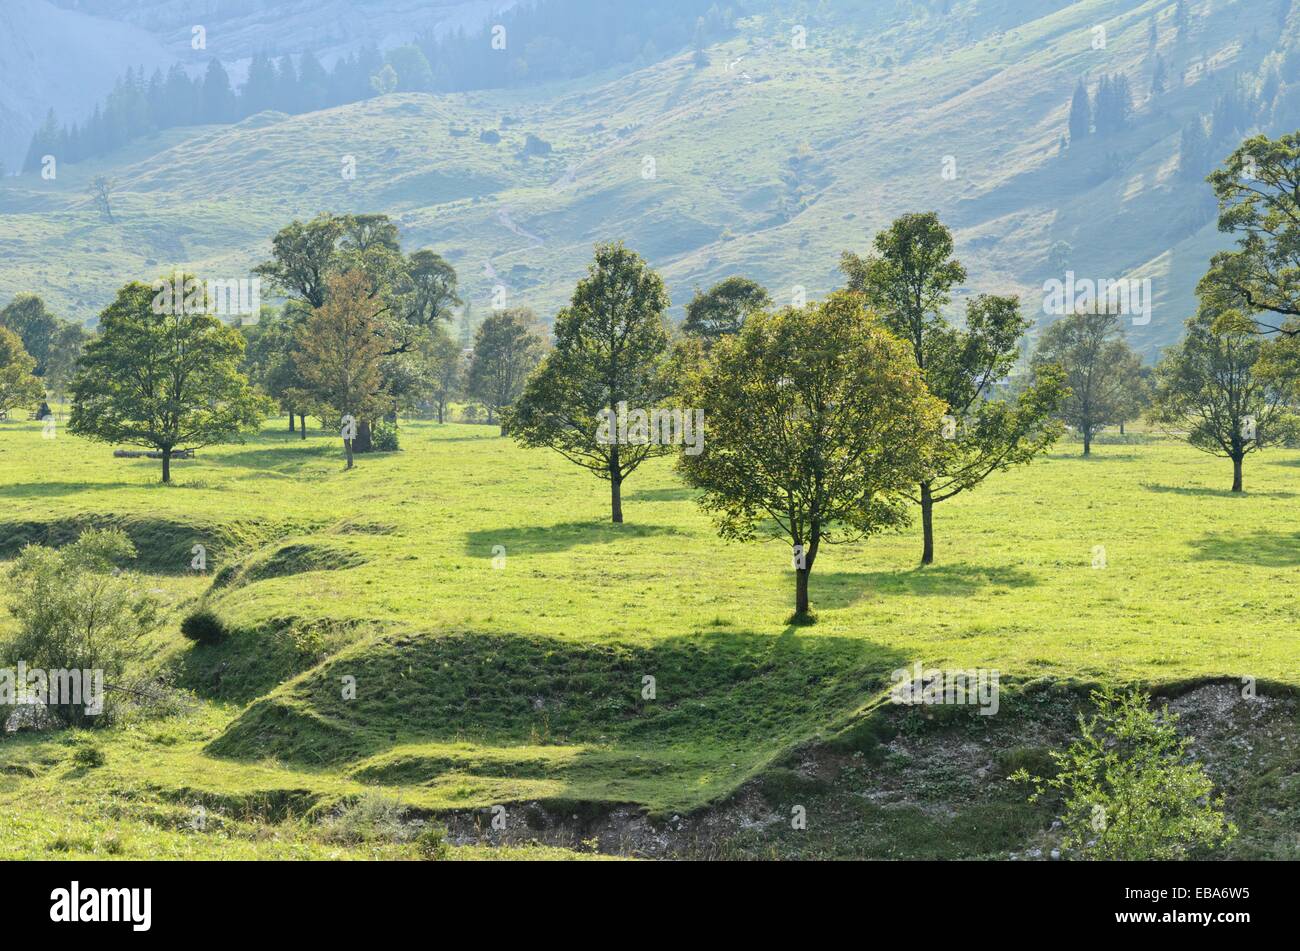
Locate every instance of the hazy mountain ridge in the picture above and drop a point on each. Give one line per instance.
(768, 161)
(66, 54)
(60, 59)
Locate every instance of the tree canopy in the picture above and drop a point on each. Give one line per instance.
(722, 309)
(168, 381)
(1209, 385)
(1258, 189)
(817, 421)
(1100, 370)
(908, 280)
(610, 351)
(18, 386)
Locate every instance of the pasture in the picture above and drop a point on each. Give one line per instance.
(500, 631)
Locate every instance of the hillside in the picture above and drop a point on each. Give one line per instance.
(769, 161)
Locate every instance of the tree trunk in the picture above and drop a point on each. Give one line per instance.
(1121, 429)
(363, 442)
(1236, 474)
(347, 448)
(302, 425)
(615, 486)
(927, 524)
(1087, 440)
(167, 465)
(290, 420)
(440, 411)
(801, 605)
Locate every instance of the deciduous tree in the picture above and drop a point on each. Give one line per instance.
(1258, 189)
(817, 422)
(18, 386)
(908, 280)
(166, 380)
(1098, 365)
(610, 349)
(1209, 386)
(506, 349)
(341, 352)
(722, 309)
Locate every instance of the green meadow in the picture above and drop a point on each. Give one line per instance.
(498, 630)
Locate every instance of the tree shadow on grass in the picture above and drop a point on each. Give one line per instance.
(549, 539)
(843, 588)
(281, 458)
(37, 490)
(1267, 549)
(1193, 490)
(662, 495)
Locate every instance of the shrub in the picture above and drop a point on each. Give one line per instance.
(204, 627)
(88, 756)
(383, 438)
(1130, 793)
(79, 611)
(432, 841)
(490, 136)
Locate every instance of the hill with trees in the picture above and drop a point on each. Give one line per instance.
(750, 145)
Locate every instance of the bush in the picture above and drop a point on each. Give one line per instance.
(432, 841)
(1130, 791)
(490, 136)
(79, 611)
(88, 756)
(383, 438)
(534, 145)
(204, 627)
(374, 818)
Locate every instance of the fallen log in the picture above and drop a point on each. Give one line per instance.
(151, 454)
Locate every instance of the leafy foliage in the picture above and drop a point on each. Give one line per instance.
(816, 421)
(1130, 792)
(610, 348)
(167, 380)
(722, 309)
(341, 350)
(1258, 189)
(78, 611)
(18, 387)
(1099, 367)
(1208, 386)
(507, 347)
(908, 279)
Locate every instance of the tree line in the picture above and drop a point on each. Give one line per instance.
(823, 422)
(552, 39)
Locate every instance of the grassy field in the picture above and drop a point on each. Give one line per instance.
(481, 684)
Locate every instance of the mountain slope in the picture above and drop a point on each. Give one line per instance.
(60, 59)
(770, 160)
